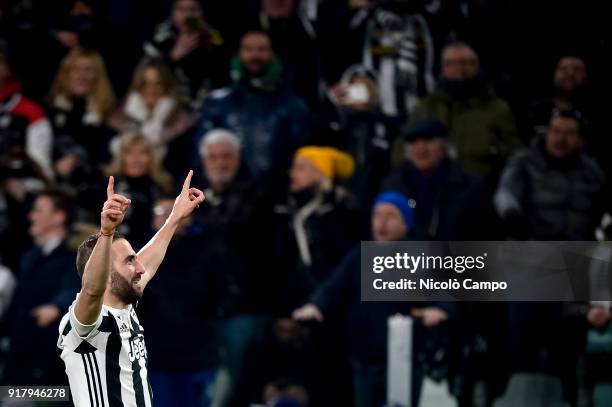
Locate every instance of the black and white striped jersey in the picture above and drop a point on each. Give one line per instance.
(106, 363)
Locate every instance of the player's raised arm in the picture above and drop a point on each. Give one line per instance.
(152, 254)
(97, 270)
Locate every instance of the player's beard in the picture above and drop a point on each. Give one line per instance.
(123, 289)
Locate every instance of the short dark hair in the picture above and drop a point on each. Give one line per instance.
(61, 202)
(175, 2)
(85, 249)
(569, 114)
(255, 32)
(459, 44)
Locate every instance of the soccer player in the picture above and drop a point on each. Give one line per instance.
(101, 341)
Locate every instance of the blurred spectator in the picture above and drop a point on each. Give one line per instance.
(25, 133)
(450, 20)
(552, 190)
(481, 126)
(294, 39)
(7, 287)
(25, 161)
(448, 201)
(268, 118)
(392, 220)
(318, 223)
(153, 107)
(72, 22)
(363, 131)
(46, 285)
(236, 248)
(140, 177)
(598, 344)
(281, 393)
(81, 99)
(399, 46)
(179, 375)
(53, 29)
(549, 191)
(14, 238)
(570, 91)
(341, 25)
(192, 47)
(123, 27)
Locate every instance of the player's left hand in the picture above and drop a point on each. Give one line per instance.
(189, 199)
(45, 315)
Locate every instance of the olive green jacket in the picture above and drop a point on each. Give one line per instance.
(481, 129)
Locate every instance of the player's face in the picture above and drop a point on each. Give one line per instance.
(388, 224)
(126, 272)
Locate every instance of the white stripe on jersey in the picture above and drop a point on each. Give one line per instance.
(108, 367)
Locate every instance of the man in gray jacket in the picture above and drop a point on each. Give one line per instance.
(552, 190)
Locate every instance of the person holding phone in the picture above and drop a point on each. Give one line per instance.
(194, 49)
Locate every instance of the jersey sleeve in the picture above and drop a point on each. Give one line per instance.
(81, 330)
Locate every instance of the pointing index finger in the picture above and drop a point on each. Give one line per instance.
(110, 190)
(187, 182)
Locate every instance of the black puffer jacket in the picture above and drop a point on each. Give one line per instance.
(556, 199)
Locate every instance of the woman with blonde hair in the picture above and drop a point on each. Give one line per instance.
(153, 106)
(140, 176)
(80, 100)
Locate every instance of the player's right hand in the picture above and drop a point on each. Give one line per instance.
(114, 208)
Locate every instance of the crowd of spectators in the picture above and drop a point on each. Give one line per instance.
(311, 125)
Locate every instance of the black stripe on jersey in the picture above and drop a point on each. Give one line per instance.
(138, 385)
(95, 359)
(86, 349)
(88, 382)
(140, 401)
(113, 370)
(67, 328)
(108, 324)
(93, 379)
(65, 332)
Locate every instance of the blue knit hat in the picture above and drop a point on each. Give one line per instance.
(401, 202)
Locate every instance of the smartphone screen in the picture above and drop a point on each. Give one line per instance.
(357, 93)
